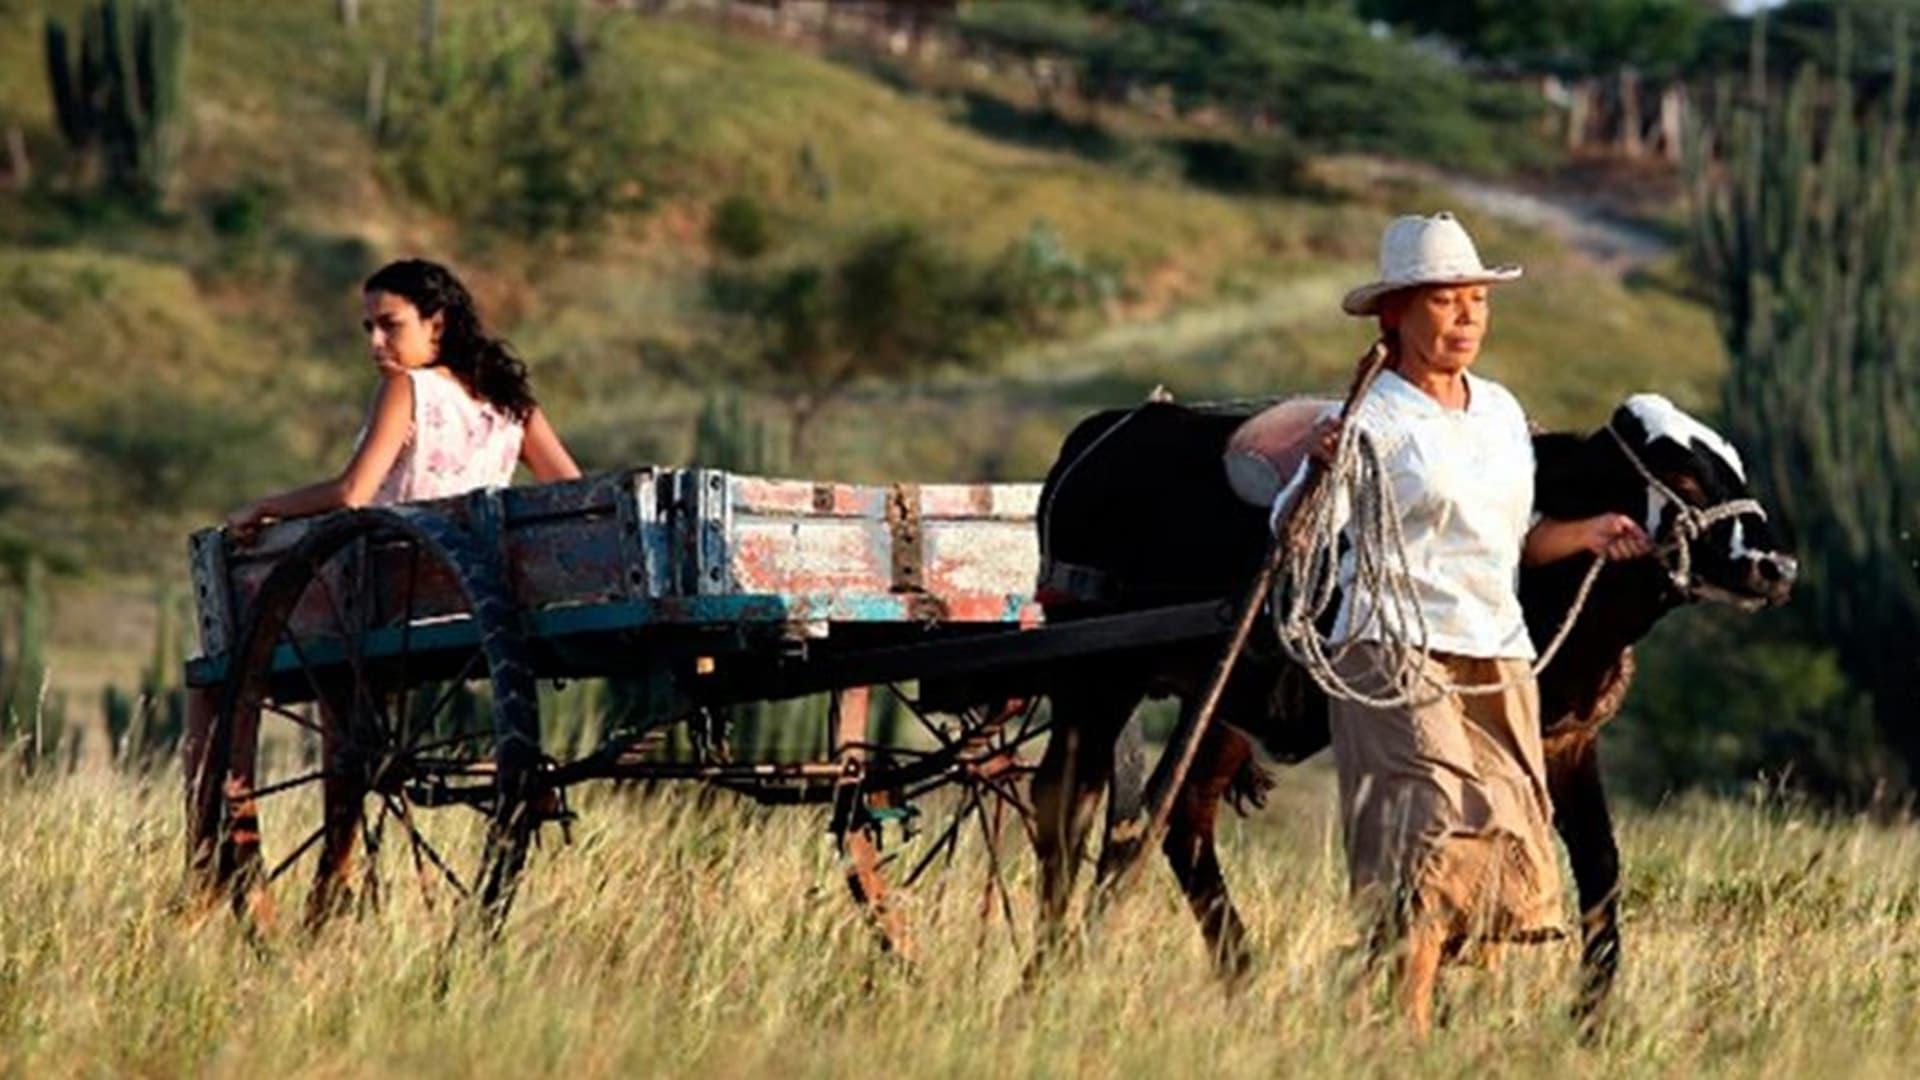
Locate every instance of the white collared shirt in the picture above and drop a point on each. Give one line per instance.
(1464, 482)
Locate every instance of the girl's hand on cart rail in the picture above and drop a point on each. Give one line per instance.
(244, 524)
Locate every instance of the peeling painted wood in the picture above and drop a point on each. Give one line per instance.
(798, 552)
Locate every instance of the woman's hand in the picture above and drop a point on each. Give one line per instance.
(244, 524)
(1616, 536)
(1325, 446)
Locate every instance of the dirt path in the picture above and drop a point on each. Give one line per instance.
(1618, 245)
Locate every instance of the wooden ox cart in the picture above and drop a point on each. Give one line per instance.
(365, 712)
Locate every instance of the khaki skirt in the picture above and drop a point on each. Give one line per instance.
(1444, 804)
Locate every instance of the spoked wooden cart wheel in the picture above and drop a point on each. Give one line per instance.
(375, 740)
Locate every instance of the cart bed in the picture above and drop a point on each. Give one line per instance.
(698, 551)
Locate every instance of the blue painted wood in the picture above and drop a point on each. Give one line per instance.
(692, 612)
(690, 548)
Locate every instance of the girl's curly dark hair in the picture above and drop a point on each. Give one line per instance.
(485, 365)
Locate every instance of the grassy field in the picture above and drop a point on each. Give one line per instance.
(682, 937)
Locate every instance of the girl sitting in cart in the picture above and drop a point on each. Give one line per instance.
(453, 411)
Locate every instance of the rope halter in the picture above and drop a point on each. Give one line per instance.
(1690, 524)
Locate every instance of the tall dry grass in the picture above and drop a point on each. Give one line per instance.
(679, 935)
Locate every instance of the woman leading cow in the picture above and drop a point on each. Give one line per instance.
(1444, 804)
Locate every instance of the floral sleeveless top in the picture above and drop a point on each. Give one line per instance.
(458, 444)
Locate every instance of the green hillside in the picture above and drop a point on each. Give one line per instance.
(163, 367)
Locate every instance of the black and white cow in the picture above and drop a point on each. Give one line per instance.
(1138, 503)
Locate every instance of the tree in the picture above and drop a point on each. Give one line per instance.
(894, 305)
(1577, 35)
(1805, 204)
(1310, 69)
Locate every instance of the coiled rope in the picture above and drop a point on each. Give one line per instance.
(1308, 580)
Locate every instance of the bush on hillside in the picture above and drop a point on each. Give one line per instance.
(509, 122)
(739, 227)
(1274, 165)
(1317, 73)
(1724, 699)
(1030, 28)
(895, 304)
(164, 455)
(1037, 282)
(244, 212)
(1656, 36)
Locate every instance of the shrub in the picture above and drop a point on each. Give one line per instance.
(165, 455)
(245, 211)
(1315, 72)
(893, 305)
(1037, 282)
(508, 122)
(1028, 28)
(1274, 165)
(739, 227)
(1722, 699)
(725, 437)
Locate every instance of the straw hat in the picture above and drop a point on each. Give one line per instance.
(1419, 250)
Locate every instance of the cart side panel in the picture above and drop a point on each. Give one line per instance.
(796, 556)
(963, 552)
(212, 594)
(755, 495)
(586, 541)
(977, 540)
(975, 502)
(967, 559)
(794, 538)
(645, 536)
(569, 544)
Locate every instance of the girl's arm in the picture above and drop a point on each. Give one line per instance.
(543, 453)
(1616, 536)
(389, 423)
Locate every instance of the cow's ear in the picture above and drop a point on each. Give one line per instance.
(1560, 483)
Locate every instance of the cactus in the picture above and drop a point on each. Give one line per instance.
(147, 727)
(572, 717)
(1804, 205)
(813, 174)
(889, 725)
(120, 711)
(119, 100)
(723, 438)
(24, 728)
(376, 108)
(429, 26)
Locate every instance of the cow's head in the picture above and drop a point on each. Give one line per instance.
(1736, 559)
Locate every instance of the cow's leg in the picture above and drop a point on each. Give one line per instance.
(1066, 791)
(1126, 798)
(1417, 972)
(1580, 813)
(1189, 847)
